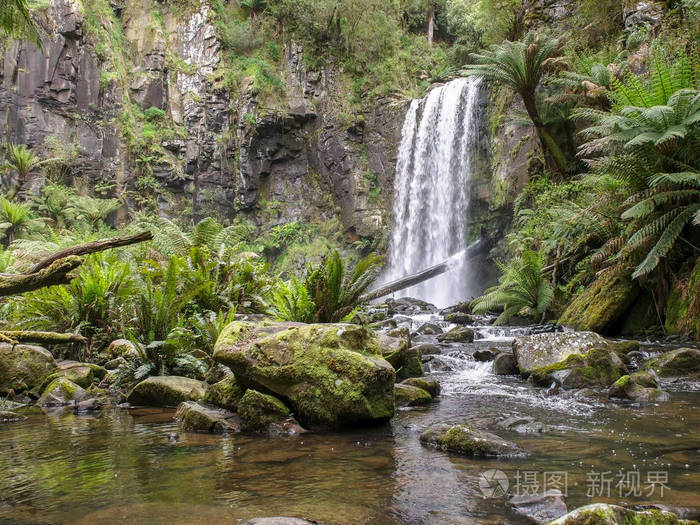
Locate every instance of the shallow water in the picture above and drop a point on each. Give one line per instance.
(126, 466)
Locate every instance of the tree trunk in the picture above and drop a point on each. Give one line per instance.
(549, 145)
(431, 22)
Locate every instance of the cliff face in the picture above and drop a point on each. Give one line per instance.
(133, 88)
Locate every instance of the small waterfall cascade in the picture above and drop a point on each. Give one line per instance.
(439, 141)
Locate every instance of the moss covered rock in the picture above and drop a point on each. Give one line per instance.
(542, 350)
(258, 411)
(677, 363)
(193, 417)
(468, 441)
(162, 391)
(406, 359)
(227, 393)
(331, 374)
(602, 306)
(598, 367)
(641, 387)
(683, 305)
(605, 514)
(459, 334)
(61, 392)
(430, 385)
(82, 374)
(24, 367)
(123, 348)
(410, 396)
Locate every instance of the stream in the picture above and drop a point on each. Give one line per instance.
(134, 466)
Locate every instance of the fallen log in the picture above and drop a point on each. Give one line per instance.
(92, 247)
(417, 278)
(58, 272)
(42, 338)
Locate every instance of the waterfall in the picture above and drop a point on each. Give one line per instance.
(431, 190)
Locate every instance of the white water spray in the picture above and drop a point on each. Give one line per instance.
(435, 162)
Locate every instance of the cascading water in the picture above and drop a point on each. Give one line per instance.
(439, 138)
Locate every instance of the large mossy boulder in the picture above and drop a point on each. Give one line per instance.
(541, 350)
(193, 417)
(603, 305)
(24, 367)
(677, 363)
(468, 441)
(258, 411)
(683, 305)
(227, 393)
(606, 514)
(330, 374)
(61, 392)
(596, 368)
(123, 348)
(161, 391)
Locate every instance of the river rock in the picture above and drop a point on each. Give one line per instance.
(429, 329)
(486, 354)
(194, 417)
(606, 514)
(406, 361)
(677, 363)
(82, 374)
(540, 350)
(641, 387)
(468, 441)
(504, 364)
(430, 385)
(460, 318)
(331, 374)
(596, 368)
(540, 508)
(410, 396)
(459, 334)
(427, 349)
(522, 425)
(258, 411)
(24, 367)
(227, 393)
(61, 392)
(166, 391)
(278, 520)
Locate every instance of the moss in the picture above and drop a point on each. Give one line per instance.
(407, 395)
(622, 382)
(465, 440)
(683, 305)
(227, 393)
(24, 367)
(428, 384)
(597, 367)
(258, 410)
(166, 391)
(602, 304)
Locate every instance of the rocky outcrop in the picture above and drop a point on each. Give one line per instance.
(162, 391)
(24, 367)
(330, 374)
(468, 441)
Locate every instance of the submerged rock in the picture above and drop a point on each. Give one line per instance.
(278, 520)
(540, 508)
(522, 425)
(606, 514)
(258, 411)
(24, 367)
(504, 364)
(468, 441)
(166, 391)
(61, 392)
(10, 417)
(227, 393)
(410, 396)
(677, 363)
(459, 334)
(430, 385)
(331, 374)
(194, 417)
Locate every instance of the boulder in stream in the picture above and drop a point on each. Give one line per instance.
(266, 414)
(430, 385)
(61, 392)
(467, 441)
(226, 393)
(24, 367)
(677, 363)
(459, 334)
(504, 364)
(541, 350)
(596, 368)
(162, 391)
(330, 374)
(406, 360)
(641, 387)
(194, 417)
(410, 396)
(606, 514)
(82, 374)
(278, 520)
